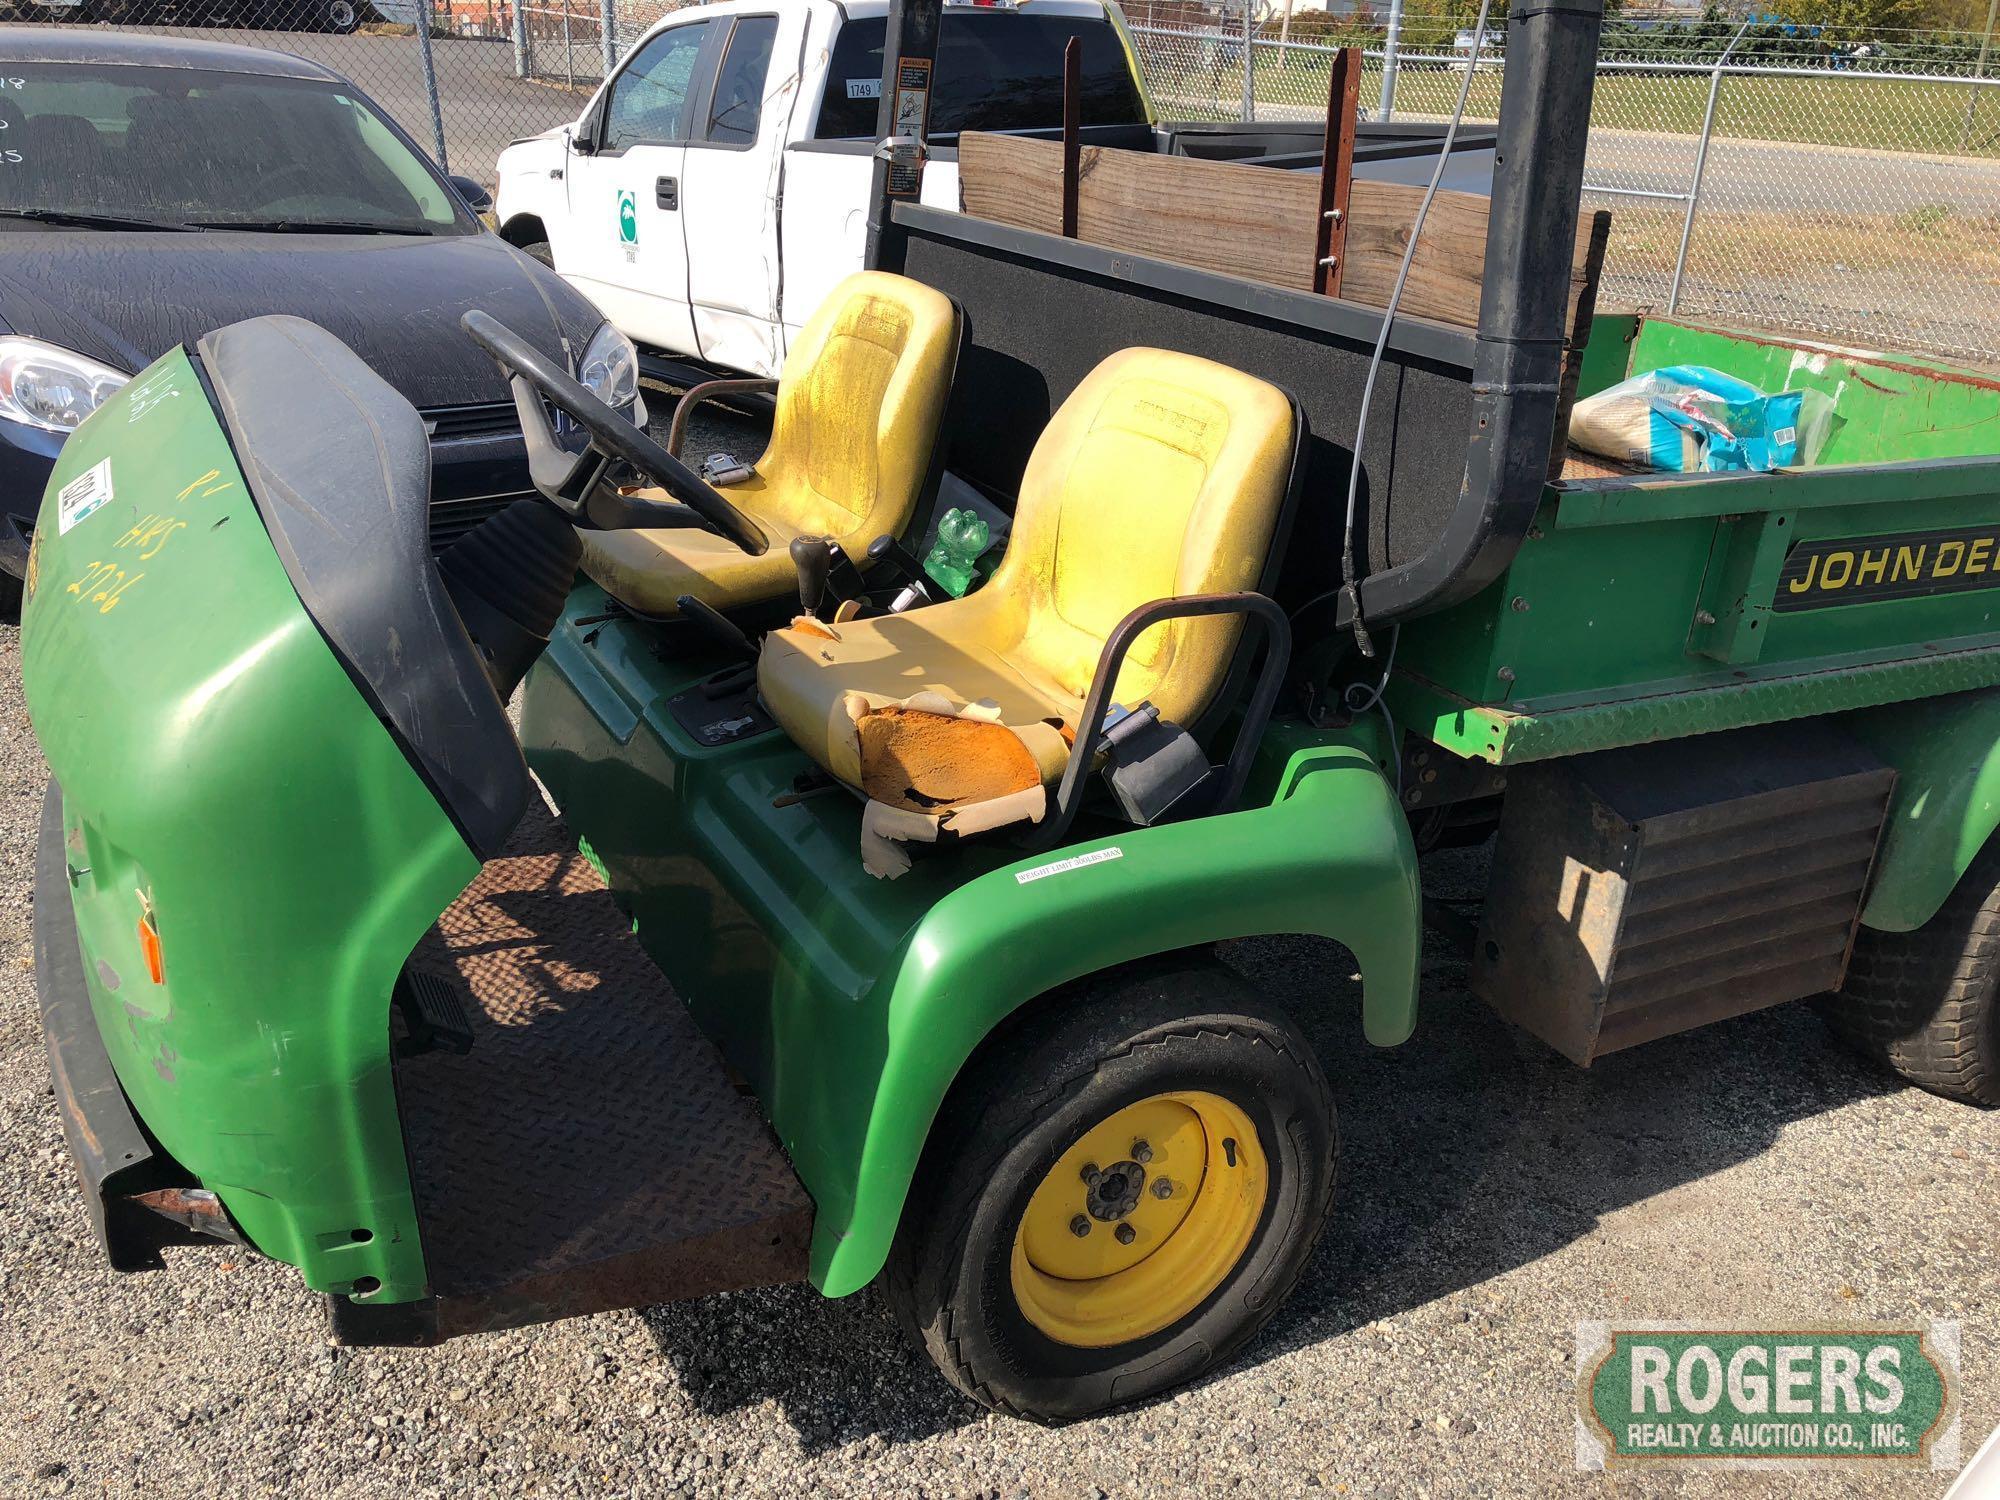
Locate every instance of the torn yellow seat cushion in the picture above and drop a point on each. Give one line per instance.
(819, 689)
(858, 405)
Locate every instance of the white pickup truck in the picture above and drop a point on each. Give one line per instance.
(717, 185)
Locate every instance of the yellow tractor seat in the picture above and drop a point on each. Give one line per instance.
(1163, 475)
(859, 402)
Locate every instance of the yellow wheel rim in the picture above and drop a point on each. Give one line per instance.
(1104, 1254)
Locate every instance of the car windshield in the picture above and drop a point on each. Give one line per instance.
(123, 147)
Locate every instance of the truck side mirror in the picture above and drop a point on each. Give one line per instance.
(476, 197)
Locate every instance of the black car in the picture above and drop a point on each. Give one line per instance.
(153, 189)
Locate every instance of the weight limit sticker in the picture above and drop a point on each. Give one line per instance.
(1064, 866)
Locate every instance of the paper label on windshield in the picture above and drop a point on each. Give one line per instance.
(82, 495)
(864, 88)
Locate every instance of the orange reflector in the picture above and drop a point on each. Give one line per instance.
(149, 945)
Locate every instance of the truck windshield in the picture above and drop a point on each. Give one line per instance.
(174, 148)
(996, 70)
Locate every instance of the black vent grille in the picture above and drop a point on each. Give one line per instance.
(1639, 892)
(451, 519)
(488, 419)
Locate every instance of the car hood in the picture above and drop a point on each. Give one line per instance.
(127, 298)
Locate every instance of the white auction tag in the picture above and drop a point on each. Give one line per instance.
(82, 495)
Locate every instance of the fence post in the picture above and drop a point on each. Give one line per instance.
(1391, 45)
(607, 22)
(1249, 63)
(1978, 72)
(431, 79)
(522, 67)
(1700, 166)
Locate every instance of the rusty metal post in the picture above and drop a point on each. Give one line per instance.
(1072, 136)
(1336, 170)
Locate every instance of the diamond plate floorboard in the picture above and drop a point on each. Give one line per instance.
(589, 1152)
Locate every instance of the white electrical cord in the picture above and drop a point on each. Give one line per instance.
(1352, 586)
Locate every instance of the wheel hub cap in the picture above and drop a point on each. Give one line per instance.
(1114, 1192)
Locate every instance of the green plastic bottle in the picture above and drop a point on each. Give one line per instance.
(962, 536)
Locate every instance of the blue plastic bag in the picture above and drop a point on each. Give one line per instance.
(1689, 418)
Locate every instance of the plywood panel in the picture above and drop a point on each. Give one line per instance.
(1253, 222)
(1241, 221)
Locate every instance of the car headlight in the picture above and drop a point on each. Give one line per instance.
(609, 369)
(52, 388)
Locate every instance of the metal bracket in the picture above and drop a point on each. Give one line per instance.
(1733, 609)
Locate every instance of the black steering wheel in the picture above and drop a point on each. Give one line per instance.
(580, 484)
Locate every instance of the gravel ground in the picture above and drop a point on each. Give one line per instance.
(1493, 1195)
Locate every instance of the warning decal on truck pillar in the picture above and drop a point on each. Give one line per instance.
(913, 113)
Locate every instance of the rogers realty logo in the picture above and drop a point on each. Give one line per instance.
(1767, 1398)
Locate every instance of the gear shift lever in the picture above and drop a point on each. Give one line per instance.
(813, 557)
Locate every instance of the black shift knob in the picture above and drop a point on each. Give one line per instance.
(813, 557)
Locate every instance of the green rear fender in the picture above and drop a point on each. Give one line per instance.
(1946, 752)
(1329, 855)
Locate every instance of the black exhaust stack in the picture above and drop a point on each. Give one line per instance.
(1517, 363)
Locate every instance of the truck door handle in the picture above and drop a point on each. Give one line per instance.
(667, 193)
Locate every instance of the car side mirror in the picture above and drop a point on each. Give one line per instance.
(476, 197)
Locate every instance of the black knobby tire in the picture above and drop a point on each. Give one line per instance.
(1927, 1003)
(1091, 1051)
(10, 598)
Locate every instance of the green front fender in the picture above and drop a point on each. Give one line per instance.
(1330, 855)
(1946, 752)
(220, 768)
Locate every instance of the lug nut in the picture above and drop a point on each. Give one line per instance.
(1079, 1226)
(1141, 1152)
(1126, 1234)
(1089, 1173)
(1163, 1189)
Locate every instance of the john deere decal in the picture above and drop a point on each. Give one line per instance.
(1866, 1395)
(1860, 570)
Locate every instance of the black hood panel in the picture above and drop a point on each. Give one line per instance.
(395, 300)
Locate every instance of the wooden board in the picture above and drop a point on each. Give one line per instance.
(1255, 222)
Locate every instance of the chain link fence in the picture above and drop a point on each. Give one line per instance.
(1849, 190)
(1857, 199)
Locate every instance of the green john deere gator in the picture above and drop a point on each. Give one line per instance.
(831, 916)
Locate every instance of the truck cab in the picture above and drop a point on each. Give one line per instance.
(715, 189)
